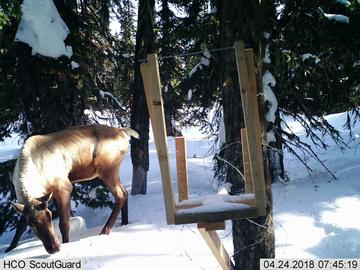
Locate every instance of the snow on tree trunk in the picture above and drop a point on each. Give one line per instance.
(273, 138)
(222, 131)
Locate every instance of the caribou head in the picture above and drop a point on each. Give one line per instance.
(39, 218)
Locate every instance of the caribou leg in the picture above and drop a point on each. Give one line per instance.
(62, 197)
(125, 211)
(21, 227)
(110, 177)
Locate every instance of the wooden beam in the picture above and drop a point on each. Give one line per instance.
(253, 102)
(181, 168)
(198, 216)
(144, 68)
(249, 186)
(212, 226)
(213, 241)
(234, 200)
(248, 91)
(151, 77)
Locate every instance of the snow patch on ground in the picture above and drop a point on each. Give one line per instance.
(9, 148)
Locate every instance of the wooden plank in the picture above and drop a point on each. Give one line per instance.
(213, 241)
(253, 102)
(186, 217)
(211, 226)
(242, 199)
(181, 168)
(155, 102)
(144, 68)
(248, 91)
(249, 187)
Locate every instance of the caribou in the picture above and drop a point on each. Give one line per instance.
(47, 167)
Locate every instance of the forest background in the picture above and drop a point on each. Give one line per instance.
(306, 54)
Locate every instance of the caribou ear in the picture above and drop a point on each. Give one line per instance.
(41, 206)
(46, 197)
(18, 207)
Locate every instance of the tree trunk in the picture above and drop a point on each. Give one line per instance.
(274, 148)
(139, 112)
(239, 20)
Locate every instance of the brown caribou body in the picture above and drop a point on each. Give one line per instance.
(49, 164)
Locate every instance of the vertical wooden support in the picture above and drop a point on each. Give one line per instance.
(152, 85)
(181, 168)
(248, 91)
(213, 241)
(144, 68)
(249, 187)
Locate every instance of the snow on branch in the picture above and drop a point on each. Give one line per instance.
(103, 94)
(337, 18)
(356, 63)
(205, 61)
(74, 65)
(42, 28)
(344, 2)
(309, 55)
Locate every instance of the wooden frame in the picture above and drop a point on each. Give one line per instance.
(181, 169)
(248, 90)
(188, 210)
(249, 187)
(251, 142)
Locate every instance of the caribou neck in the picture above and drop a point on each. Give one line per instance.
(26, 179)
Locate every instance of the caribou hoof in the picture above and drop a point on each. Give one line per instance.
(124, 222)
(9, 249)
(106, 231)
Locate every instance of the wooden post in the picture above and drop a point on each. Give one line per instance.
(249, 186)
(144, 67)
(248, 91)
(181, 168)
(213, 241)
(152, 85)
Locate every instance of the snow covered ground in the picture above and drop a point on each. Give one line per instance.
(315, 216)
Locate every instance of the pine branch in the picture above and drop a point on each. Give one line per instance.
(305, 149)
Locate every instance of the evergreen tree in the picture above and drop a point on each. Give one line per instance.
(139, 111)
(314, 63)
(193, 77)
(169, 69)
(124, 48)
(241, 20)
(45, 95)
